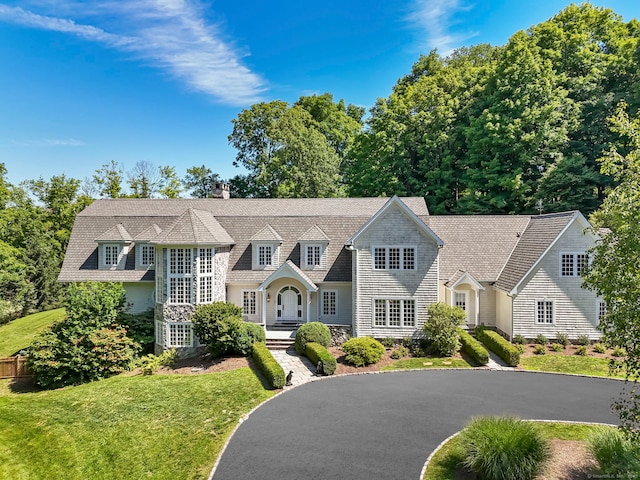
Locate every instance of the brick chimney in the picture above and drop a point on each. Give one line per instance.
(220, 190)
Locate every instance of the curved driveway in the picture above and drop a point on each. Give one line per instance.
(364, 427)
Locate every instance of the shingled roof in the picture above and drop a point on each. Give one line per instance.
(194, 227)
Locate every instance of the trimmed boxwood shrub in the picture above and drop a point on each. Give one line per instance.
(473, 347)
(246, 335)
(498, 345)
(268, 365)
(363, 351)
(317, 353)
(312, 332)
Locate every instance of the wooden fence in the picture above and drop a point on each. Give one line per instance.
(13, 367)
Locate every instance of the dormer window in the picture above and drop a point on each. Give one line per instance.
(111, 252)
(265, 255)
(313, 256)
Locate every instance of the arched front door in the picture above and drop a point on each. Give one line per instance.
(289, 304)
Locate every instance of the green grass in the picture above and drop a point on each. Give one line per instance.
(445, 464)
(126, 427)
(598, 367)
(423, 362)
(18, 334)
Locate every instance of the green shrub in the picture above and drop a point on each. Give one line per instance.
(520, 348)
(618, 352)
(408, 342)
(498, 345)
(218, 325)
(362, 351)
(583, 340)
(247, 334)
(614, 453)
(519, 340)
(473, 347)
(540, 350)
(150, 363)
(388, 342)
(312, 332)
(504, 448)
(140, 328)
(400, 352)
(581, 350)
(562, 339)
(599, 348)
(441, 328)
(557, 347)
(541, 339)
(268, 365)
(317, 353)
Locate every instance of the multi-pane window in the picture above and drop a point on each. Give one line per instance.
(460, 300)
(147, 254)
(329, 307)
(265, 255)
(179, 275)
(572, 264)
(394, 258)
(313, 255)
(180, 334)
(602, 310)
(205, 275)
(111, 254)
(249, 302)
(394, 313)
(544, 311)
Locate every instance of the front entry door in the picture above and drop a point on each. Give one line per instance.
(289, 304)
(460, 300)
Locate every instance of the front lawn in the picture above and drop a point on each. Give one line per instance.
(595, 366)
(125, 427)
(425, 362)
(19, 333)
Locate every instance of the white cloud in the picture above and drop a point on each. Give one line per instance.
(173, 35)
(436, 19)
(51, 142)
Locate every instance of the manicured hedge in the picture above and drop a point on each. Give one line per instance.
(473, 347)
(268, 365)
(362, 351)
(498, 345)
(312, 332)
(317, 353)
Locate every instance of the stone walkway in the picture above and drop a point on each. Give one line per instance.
(496, 363)
(303, 370)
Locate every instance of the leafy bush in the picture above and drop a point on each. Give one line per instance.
(140, 328)
(246, 335)
(473, 348)
(520, 348)
(581, 350)
(498, 345)
(599, 348)
(614, 453)
(583, 340)
(407, 342)
(519, 340)
(541, 340)
(268, 365)
(312, 332)
(218, 325)
(317, 353)
(557, 347)
(441, 328)
(504, 448)
(539, 350)
(388, 342)
(400, 352)
(150, 363)
(618, 352)
(88, 344)
(562, 339)
(362, 351)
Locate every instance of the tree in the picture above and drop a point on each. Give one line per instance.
(4, 187)
(108, 180)
(614, 271)
(200, 180)
(169, 185)
(143, 180)
(441, 328)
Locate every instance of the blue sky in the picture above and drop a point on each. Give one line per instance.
(84, 83)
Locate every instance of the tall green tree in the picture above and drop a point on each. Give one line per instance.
(169, 185)
(108, 180)
(143, 180)
(200, 180)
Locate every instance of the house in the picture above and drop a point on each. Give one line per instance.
(366, 266)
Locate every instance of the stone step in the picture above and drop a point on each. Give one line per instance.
(279, 343)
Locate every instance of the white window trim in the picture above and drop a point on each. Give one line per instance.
(553, 311)
(599, 303)
(170, 275)
(140, 248)
(574, 272)
(202, 275)
(386, 258)
(255, 302)
(386, 318)
(335, 293)
(274, 256)
(306, 263)
(104, 247)
(168, 326)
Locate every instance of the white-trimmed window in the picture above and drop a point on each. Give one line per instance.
(394, 258)
(313, 256)
(160, 333)
(572, 264)
(179, 274)
(180, 334)
(249, 302)
(544, 312)
(394, 312)
(147, 254)
(205, 275)
(329, 303)
(601, 312)
(110, 251)
(265, 255)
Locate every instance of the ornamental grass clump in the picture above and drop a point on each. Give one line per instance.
(617, 457)
(504, 448)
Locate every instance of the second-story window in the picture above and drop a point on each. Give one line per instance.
(394, 258)
(180, 275)
(265, 255)
(111, 253)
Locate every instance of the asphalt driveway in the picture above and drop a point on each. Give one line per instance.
(365, 427)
